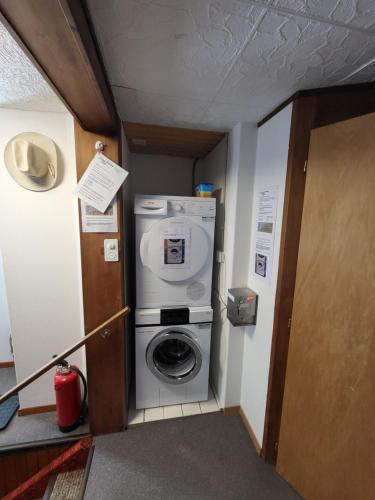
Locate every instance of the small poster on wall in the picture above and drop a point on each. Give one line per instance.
(93, 221)
(265, 232)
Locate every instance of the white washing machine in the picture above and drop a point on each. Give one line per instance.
(172, 360)
(174, 250)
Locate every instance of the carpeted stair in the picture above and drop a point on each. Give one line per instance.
(66, 486)
(64, 478)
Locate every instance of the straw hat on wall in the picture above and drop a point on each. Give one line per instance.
(31, 159)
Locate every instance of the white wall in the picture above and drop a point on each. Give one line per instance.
(213, 169)
(5, 352)
(230, 167)
(271, 166)
(39, 238)
(164, 175)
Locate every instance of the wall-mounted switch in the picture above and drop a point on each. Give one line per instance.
(111, 250)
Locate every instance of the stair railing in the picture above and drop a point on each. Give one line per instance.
(38, 373)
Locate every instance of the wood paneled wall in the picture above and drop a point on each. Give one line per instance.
(17, 466)
(103, 296)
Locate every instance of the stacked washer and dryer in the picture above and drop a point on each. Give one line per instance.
(174, 256)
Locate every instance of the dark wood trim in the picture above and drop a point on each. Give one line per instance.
(58, 38)
(7, 364)
(302, 121)
(33, 410)
(278, 108)
(311, 109)
(327, 91)
(103, 296)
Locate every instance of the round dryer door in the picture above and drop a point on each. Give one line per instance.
(175, 249)
(173, 356)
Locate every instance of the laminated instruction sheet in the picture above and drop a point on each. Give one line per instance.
(265, 232)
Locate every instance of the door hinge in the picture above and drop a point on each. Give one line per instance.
(276, 446)
(289, 322)
(305, 166)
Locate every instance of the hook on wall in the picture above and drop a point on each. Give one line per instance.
(99, 146)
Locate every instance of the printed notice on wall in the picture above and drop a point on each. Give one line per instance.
(93, 221)
(265, 232)
(100, 182)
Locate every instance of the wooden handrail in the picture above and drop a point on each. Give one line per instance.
(31, 378)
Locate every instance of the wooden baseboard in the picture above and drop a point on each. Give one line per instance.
(7, 364)
(249, 429)
(232, 410)
(36, 409)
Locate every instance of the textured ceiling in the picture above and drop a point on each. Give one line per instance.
(21, 85)
(212, 63)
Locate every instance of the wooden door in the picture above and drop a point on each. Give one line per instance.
(327, 437)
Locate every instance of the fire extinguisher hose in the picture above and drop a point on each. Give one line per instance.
(83, 412)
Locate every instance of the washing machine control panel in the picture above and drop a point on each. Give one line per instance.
(178, 316)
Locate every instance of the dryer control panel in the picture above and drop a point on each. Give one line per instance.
(194, 206)
(174, 206)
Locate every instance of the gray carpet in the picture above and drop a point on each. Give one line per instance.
(33, 428)
(7, 379)
(201, 457)
(30, 428)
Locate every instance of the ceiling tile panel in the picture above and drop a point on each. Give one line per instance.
(224, 116)
(356, 13)
(291, 53)
(21, 85)
(146, 107)
(212, 63)
(173, 48)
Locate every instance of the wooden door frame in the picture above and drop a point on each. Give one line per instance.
(311, 109)
(67, 56)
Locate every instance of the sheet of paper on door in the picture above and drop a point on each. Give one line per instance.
(100, 182)
(93, 221)
(265, 232)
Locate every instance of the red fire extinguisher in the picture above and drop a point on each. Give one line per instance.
(70, 407)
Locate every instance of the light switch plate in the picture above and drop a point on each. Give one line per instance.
(111, 250)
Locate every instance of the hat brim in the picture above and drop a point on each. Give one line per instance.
(49, 147)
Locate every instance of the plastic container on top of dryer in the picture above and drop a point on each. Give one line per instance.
(174, 250)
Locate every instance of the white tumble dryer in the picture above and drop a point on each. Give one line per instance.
(174, 250)
(172, 349)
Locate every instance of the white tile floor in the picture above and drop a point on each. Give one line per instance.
(164, 412)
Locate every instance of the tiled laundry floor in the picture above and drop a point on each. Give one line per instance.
(164, 412)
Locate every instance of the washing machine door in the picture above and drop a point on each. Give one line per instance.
(173, 356)
(175, 248)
